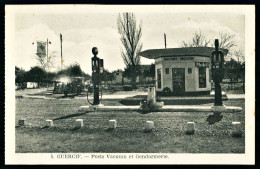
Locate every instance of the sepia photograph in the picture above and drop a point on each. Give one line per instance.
(110, 84)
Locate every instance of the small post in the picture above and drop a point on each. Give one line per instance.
(112, 124)
(49, 123)
(190, 128)
(79, 123)
(236, 127)
(149, 125)
(21, 122)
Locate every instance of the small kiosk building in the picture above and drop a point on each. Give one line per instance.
(182, 71)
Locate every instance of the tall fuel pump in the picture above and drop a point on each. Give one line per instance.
(97, 69)
(217, 68)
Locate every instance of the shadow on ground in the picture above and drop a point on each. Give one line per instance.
(69, 116)
(212, 119)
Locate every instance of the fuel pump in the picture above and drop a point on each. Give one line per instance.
(217, 63)
(97, 68)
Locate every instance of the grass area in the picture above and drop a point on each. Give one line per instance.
(167, 137)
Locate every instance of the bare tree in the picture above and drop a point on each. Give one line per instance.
(130, 38)
(239, 56)
(46, 62)
(198, 40)
(226, 40)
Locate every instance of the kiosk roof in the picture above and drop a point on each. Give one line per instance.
(190, 51)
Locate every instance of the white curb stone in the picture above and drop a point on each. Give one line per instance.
(149, 125)
(190, 128)
(21, 122)
(79, 123)
(49, 123)
(112, 124)
(236, 129)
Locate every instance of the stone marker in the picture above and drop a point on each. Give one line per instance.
(49, 123)
(112, 124)
(236, 127)
(149, 125)
(79, 123)
(190, 128)
(21, 122)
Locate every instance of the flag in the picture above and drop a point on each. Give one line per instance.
(41, 49)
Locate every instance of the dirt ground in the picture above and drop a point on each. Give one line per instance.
(212, 135)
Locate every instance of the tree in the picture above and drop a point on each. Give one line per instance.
(198, 40)
(36, 74)
(107, 76)
(73, 71)
(45, 62)
(128, 71)
(19, 75)
(239, 56)
(150, 72)
(226, 40)
(130, 38)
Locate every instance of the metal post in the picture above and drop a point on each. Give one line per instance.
(165, 40)
(47, 64)
(218, 95)
(61, 51)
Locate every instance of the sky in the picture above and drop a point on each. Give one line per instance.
(82, 31)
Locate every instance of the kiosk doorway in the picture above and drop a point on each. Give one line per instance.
(178, 81)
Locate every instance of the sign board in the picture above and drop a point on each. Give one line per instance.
(179, 58)
(202, 64)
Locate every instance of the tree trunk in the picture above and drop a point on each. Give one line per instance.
(133, 80)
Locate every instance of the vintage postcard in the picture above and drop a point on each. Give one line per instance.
(129, 84)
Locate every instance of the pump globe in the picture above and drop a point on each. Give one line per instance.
(95, 50)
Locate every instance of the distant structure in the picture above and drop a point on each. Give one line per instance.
(141, 79)
(182, 71)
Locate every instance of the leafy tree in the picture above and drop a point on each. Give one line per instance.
(129, 71)
(19, 75)
(234, 70)
(107, 76)
(36, 74)
(130, 38)
(73, 71)
(149, 72)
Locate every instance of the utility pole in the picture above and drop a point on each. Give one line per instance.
(165, 40)
(61, 51)
(47, 64)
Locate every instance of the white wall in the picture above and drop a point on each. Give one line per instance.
(191, 80)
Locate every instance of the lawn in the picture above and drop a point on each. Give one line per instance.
(167, 137)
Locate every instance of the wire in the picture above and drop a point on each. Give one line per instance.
(88, 99)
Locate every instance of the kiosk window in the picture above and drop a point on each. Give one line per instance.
(159, 82)
(189, 70)
(202, 77)
(167, 71)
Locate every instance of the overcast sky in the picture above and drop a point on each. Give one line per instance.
(81, 32)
